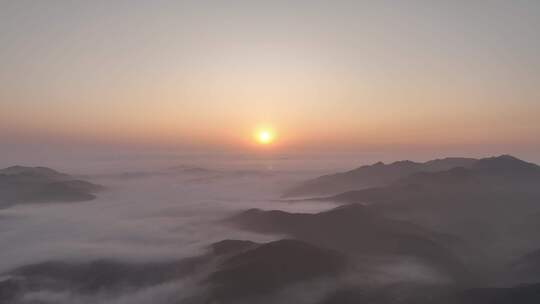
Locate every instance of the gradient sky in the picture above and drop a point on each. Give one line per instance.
(326, 75)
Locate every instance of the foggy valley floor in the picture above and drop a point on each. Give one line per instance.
(454, 230)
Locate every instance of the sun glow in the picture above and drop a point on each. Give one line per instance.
(264, 137)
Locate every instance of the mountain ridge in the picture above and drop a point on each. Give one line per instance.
(378, 174)
(22, 184)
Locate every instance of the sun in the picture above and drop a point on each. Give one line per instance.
(264, 137)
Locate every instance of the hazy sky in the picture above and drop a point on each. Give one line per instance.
(326, 75)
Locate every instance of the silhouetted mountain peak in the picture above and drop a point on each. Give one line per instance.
(503, 161)
(506, 165)
(446, 163)
(376, 175)
(404, 163)
(20, 184)
(448, 177)
(42, 172)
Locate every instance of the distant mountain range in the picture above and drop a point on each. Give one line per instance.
(19, 184)
(486, 208)
(487, 179)
(492, 205)
(375, 175)
(505, 168)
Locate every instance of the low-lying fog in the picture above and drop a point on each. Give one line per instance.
(154, 214)
(140, 231)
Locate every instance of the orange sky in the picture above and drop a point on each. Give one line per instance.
(349, 76)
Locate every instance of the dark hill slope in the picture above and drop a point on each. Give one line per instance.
(20, 184)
